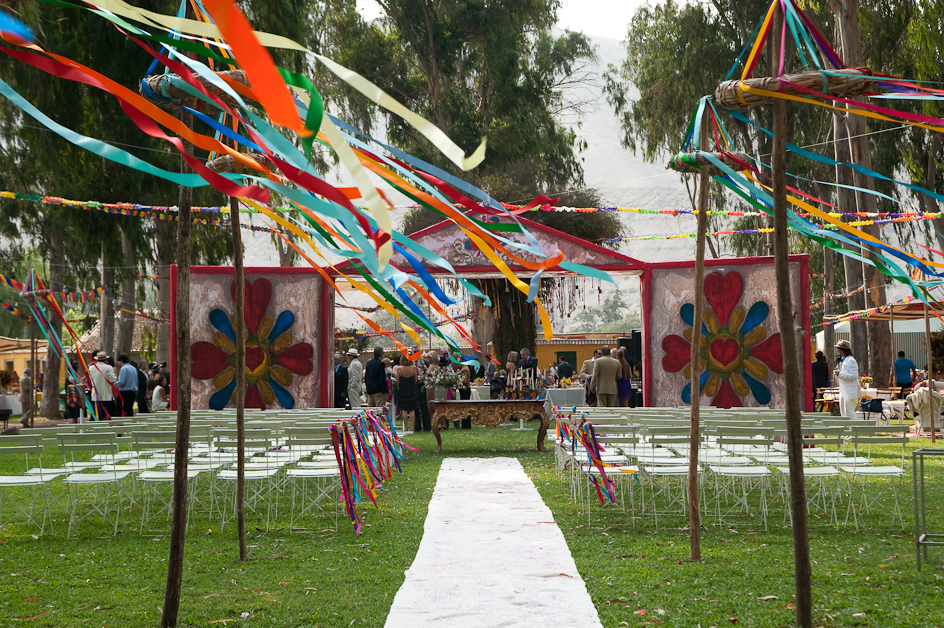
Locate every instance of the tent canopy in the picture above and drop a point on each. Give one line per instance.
(896, 311)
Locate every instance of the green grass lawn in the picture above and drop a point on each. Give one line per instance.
(330, 578)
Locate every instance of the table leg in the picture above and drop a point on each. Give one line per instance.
(542, 431)
(434, 423)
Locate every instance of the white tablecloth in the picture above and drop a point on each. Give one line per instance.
(566, 397)
(483, 392)
(11, 402)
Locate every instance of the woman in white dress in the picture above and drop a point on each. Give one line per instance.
(158, 396)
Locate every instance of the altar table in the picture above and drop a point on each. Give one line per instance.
(490, 413)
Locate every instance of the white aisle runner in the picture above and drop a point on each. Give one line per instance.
(491, 555)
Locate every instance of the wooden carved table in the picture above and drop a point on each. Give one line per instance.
(489, 413)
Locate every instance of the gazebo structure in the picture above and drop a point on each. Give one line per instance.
(742, 360)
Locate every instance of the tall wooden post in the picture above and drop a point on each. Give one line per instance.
(891, 325)
(240, 329)
(178, 530)
(694, 513)
(792, 384)
(33, 367)
(927, 342)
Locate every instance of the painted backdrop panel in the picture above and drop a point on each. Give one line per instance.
(286, 347)
(742, 364)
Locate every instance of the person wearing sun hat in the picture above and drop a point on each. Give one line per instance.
(847, 376)
(355, 378)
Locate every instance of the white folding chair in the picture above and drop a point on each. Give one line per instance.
(30, 446)
(93, 493)
(865, 479)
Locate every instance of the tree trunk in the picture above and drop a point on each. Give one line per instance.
(694, 514)
(483, 327)
(847, 203)
(829, 332)
(106, 319)
(879, 338)
(930, 175)
(792, 386)
(126, 308)
(50, 405)
(178, 532)
(240, 392)
(165, 257)
(930, 370)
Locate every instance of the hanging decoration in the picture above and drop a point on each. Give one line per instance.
(323, 217)
(367, 449)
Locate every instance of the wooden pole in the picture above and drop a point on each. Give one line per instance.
(178, 531)
(240, 328)
(891, 323)
(33, 367)
(694, 513)
(792, 385)
(927, 342)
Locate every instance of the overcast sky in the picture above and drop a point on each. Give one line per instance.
(603, 18)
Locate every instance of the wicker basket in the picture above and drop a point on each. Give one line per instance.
(228, 163)
(851, 82)
(683, 162)
(162, 84)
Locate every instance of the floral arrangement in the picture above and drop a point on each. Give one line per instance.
(565, 382)
(865, 381)
(479, 381)
(445, 377)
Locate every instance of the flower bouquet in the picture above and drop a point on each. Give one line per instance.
(565, 382)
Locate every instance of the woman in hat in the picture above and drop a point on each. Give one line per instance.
(847, 376)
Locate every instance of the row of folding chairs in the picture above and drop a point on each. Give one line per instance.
(736, 465)
(111, 467)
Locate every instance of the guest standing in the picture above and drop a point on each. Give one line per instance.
(422, 418)
(624, 383)
(142, 397)
(405, 377)
(820, 370)
(565, 370)
(606, 370)
(465, 392)
(375, 380)
(904, 374)
(340, 382)
(848, 377)
(127, 384)
(511, 365)
(528, 364)
(103, 383)
(586, 369)
(355, 376)
(26, 397)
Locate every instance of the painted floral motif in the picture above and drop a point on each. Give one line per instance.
(272, 360)
(736, 354)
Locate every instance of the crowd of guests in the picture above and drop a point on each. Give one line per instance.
(608, 379)
(119, 387)
(903, 375)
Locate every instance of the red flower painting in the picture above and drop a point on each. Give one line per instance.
(736, 353)
(272, 359)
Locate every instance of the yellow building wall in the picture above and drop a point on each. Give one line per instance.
(547, 352)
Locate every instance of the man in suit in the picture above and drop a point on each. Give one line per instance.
(528, 363)
(606, 370)
(586, 370)
(340, 382)
(565, 370)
